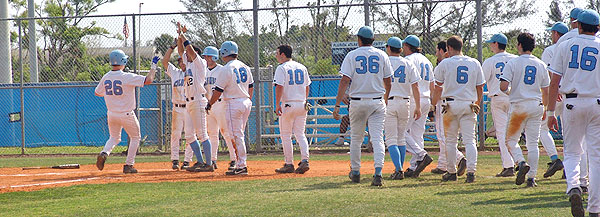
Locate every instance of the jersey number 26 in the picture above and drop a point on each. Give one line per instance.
(113, 87)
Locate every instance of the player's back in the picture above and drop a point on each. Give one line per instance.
(527, 75)
(234, 79)
(425, 70)
(404, 75)
(366, 66)
(118, 90)
(294, 78)
(492, 69)
(548, 54)
(211, 79)
(577, 61)
(460, 76)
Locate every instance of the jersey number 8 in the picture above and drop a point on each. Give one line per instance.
(367, 64)
(113, 87)
(529, 77)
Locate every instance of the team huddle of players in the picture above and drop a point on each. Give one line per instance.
(390, 92)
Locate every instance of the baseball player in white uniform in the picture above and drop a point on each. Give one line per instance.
(180, 118)
(459, 81)
(492, 70)
(416, 127)
(557, 30)
(441, 54)
(118, 89)
(528, 79)
(404, 84)
(195, 76)
(575, 68)
(370, 71)
(235, 83)
(215, 120)
(292, 85)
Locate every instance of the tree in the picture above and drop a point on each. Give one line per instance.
(210, 29)
(593, 4)
(163, 42)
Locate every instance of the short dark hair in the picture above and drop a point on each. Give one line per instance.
(366, 41)
(394, 49)
(233, 56)
(413, 48)
(501, 46)
(455, 42)
(527, 41)
(589, 28)
(442, 45)
(197, 49)
(285, 49)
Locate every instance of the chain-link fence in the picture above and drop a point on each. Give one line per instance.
(50, 101)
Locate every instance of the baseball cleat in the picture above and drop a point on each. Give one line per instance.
(531, 183)
(185, 165)
(449, 177)
(462, 167)
(377, 180)
(584, 189)
(175, 165)
(340, 142)
(129, 169)
(214, 164)
(438, 171)
(593, 214)
(231, 165)
(506, 172)
(100, 160)
(553, 167)
(287, 168)
(523, 170)
(397, 175)
(203, 168)
(238, 171)
(408, 173)
(421, 165)
(302, 167)
(354, 177)
(576, 202)
(470, 178)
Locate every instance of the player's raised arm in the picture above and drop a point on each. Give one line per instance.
(168, 53)
(150, 76)
(189, 50)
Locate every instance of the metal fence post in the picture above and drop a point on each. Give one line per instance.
(258, 91)
(367, 14)
(21, 90)
(137, 89)
(481, 126)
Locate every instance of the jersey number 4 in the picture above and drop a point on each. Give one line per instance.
(588, 62)
(113, 87)
(400, 74)
(298, 74)
(367, 64)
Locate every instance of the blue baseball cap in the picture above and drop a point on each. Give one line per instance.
(500, 38)
(394, 42)
(366, 32)
(575, 12)
(413, 40)
(589, 17)
(560, 27)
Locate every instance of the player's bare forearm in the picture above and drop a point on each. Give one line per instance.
(437, 93)
(387, 83)
(545, 96)
(251, 92)
(503, 86)
(97, 94)
(342, 90)
(416, 95)
(150, 77)
(479, 94)
(166, 58)
(431, 87)
(553, 91)
(215, 96)
(180, 47)
(189, 50)
(307, 91)
(278, 93)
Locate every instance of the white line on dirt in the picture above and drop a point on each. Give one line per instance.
(78, 172)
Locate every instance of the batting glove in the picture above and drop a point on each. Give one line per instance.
(208, 106)
(307, 106)
(445, 108)
(474, 108)
(154, 62)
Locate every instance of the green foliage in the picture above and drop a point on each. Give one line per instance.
(163, 42)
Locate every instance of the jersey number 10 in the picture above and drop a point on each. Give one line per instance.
(298, 74)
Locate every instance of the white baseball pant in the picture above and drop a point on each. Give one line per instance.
(237, 112)
(584, 169)
(293, 120)
(459, 116)
(582, 128)
(397, 114)
(215, 123)
(181, 121)
(500, 107)
(414, 136)
(525, 115)
(361, 111)
(439, 131)
(197, 112)
(129, 122)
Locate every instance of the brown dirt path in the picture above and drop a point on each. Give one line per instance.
(16, 179)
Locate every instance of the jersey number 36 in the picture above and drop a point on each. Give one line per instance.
(370, 64)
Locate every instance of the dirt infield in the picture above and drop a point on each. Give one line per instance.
(16, 179)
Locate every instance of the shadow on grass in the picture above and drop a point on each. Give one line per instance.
(317, 186)
(528, 203)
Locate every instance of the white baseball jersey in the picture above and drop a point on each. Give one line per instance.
(211, 79)
(492, 69)
(426, 69)
(577, 62)
(177, 84)
(460, 75)
(570, 34)
(548, 54)
(405, 74)
(366, 66)
(294, 78)
(118, 90)
(234, 79)
(195, 77)
(527, 75)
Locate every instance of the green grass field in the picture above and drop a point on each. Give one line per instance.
(325, 196)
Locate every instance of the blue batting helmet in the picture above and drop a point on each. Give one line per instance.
(117, 58)
(211, 51)
(228, 48)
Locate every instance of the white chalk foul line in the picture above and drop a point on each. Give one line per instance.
(60, 182)
(77, 172)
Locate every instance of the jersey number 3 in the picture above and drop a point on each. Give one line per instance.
(113, 87)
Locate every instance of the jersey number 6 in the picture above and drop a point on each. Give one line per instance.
(461, 74)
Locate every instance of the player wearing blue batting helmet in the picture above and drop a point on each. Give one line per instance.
(118, 58)
(212, 52)
(228, 48)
